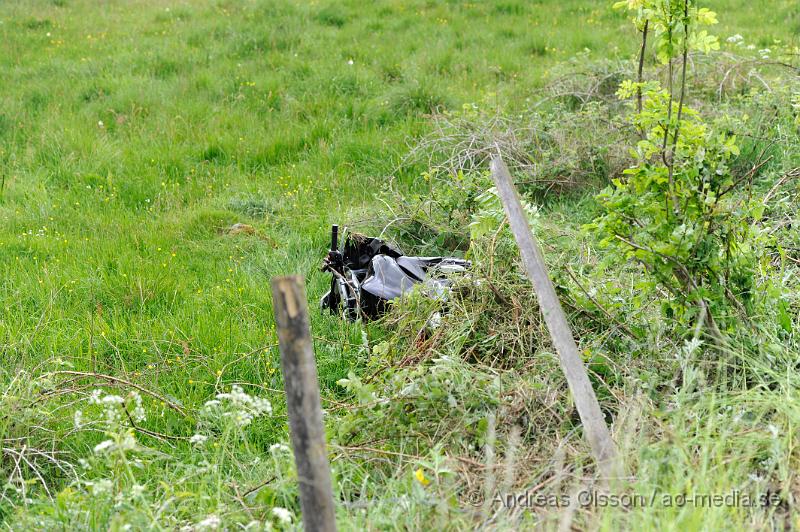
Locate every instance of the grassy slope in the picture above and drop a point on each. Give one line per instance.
(214, 113)
(132, 133)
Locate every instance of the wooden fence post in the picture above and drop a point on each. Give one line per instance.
(594, 424)
(303, 403)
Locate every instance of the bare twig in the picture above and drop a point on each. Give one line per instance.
(600, 307)
(116, 380)
(671, 158)
(640, 76)
(795, 172)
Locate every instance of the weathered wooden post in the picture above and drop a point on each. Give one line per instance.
(603, 448)
(303, 403)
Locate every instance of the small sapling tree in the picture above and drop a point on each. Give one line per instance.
(673, 210)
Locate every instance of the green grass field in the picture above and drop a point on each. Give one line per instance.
(134, 134)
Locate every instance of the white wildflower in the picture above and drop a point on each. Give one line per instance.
(211, 522)
(690, 346)
(112, 400)
(242, 418)
(262, 406)
(278, 447)
(112, 412)
(350, 62)
(239, 406)
(198, 439)
(282, 514)
(764, 53)
(112, 406)
(735, 38)
(94, 398)
(128, 442)
(138, 413)
(77, 419)
(103, 446)
(101, 487)
(137, 490)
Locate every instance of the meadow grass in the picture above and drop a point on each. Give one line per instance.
(133, 134)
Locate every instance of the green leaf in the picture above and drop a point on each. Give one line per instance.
(784, 318)
(706, 17)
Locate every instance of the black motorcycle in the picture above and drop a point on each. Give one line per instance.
(367, 273)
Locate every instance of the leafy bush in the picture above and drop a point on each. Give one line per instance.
(674, 211)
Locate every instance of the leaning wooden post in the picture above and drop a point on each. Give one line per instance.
(303, 403)
(594, 424)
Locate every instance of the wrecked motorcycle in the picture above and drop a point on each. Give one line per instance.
(368, 272)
